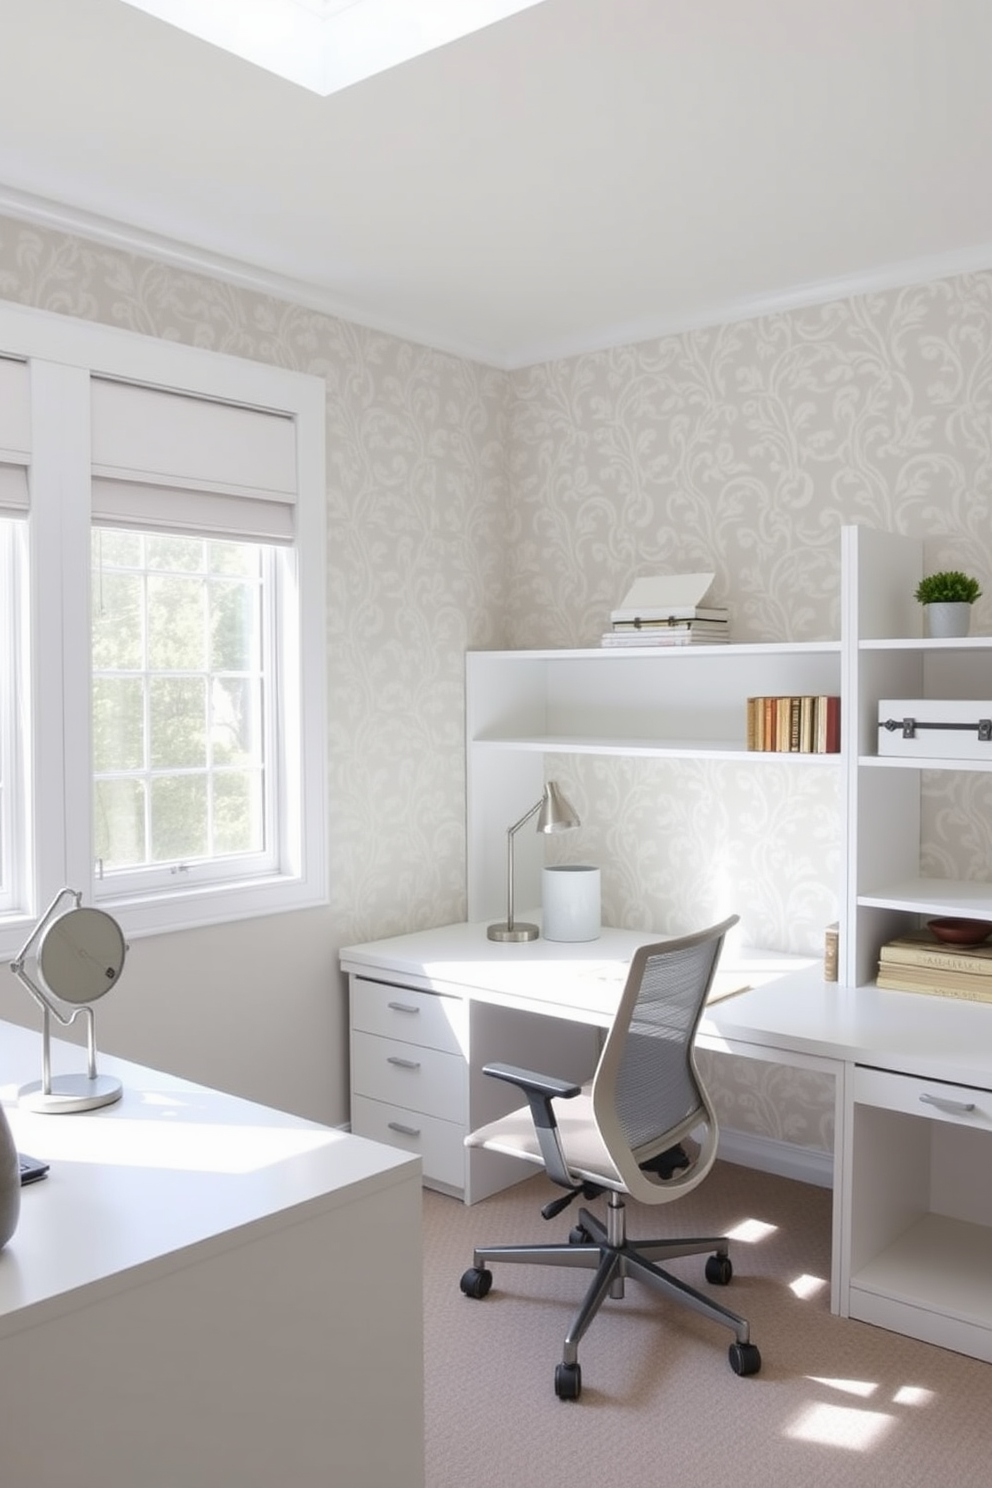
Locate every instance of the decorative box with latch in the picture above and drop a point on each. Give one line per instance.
(935, 728)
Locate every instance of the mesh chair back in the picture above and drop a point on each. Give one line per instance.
(647, 1094)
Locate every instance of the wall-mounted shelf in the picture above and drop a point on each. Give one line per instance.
(654, 703)
(647, 749)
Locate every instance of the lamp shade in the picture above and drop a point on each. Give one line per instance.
(556, 814)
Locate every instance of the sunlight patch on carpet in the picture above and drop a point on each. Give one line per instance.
(751, 1230)
(807, 1286)
(913, 1395)
(840, 1426)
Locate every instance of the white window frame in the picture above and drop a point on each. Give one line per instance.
(63, 354)
(15, 840)
(279, 764)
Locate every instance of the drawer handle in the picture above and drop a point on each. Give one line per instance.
(404, 1007)
(404, 1131)
(943, 1104)
(403, 1063)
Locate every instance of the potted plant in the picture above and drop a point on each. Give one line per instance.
(947, 599)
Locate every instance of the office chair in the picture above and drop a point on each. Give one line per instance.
(644, 1127)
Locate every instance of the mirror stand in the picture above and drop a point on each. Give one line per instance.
(80, 956)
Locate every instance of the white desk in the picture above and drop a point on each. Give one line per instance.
(912, 1224)
(205, 1291)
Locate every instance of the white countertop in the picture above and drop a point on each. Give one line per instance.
(788, 1005)
(170, 1168)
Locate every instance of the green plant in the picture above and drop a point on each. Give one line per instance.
(951, 587)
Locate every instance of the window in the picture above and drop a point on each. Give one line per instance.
(183, 742)
(162, 738)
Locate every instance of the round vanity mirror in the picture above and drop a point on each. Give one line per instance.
(81, 955)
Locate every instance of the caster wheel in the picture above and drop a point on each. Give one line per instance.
(568, 1381)
(718, 1270)
(579, 1236)
(476, 1282)
(744, 1358)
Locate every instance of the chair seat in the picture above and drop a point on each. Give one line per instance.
(585, 1150)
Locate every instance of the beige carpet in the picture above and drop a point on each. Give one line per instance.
(836, 1402)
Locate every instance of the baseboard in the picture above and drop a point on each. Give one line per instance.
(769, 1155)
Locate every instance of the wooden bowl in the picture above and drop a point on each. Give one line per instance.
(960, 932)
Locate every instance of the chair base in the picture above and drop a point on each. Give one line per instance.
(606, 1250)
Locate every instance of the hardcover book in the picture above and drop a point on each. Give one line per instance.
(678, 635)
(922, 950)
(904, 979)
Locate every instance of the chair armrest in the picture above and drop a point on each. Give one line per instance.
(540, 1091)
(532, 1082)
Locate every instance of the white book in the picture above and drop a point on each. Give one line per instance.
(659, 639)
(668, 596)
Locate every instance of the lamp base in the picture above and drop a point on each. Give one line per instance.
(516, 932)
(71, 1093)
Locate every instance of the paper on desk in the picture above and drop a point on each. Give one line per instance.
(727, 984)
(595, 979)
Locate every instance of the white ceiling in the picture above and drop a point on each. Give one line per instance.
(582, 174)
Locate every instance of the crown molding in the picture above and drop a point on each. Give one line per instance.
(26, 207)
(129, 238)
(776, 302)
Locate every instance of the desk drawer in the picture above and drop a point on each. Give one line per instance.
(916, 1096)
(438, 1144)
(426, 1018)
(424, 1080)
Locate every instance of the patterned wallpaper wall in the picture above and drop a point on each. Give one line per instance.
(743, 449)
(470, 507)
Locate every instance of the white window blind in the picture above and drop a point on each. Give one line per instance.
(193, 465)
(15, 436)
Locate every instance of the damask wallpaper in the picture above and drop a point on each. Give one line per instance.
(470, 507)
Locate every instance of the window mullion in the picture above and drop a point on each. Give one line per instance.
(60, 670)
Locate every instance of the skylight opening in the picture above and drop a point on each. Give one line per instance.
(327, 45)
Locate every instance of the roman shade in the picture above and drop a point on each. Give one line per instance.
(190, 464)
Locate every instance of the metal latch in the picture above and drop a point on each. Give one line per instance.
(910, 726)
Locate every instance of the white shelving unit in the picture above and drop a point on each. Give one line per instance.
(915, 1152)
(886, 655)
(918, 1169)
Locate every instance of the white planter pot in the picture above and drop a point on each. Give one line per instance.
(947, 619)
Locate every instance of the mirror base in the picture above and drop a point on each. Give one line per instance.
(70, 1093)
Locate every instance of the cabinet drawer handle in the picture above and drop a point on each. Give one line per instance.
(403, 1063)
(403, 1007)
(943, 1104)
(404, 1131)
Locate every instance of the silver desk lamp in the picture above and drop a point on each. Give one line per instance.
(80, 957)
(554, 814)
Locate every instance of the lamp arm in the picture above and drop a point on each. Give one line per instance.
(43, 999)
(509, 857)
(42, 925)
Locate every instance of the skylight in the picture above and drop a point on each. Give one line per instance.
(325, 45)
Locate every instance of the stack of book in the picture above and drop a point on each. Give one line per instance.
(668, 611)
(808, 724)
(704, 628)
(920, 963)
